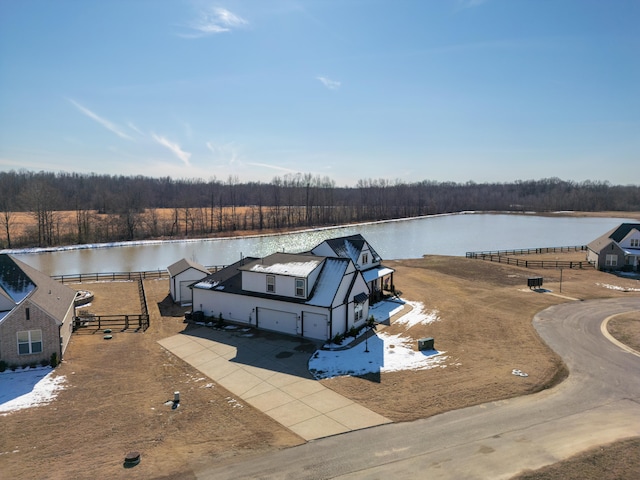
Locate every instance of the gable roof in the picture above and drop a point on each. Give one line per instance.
(24, 281)
(616, 234)
(622, 231)
(15, 284)
(351, 247)
(184, 265)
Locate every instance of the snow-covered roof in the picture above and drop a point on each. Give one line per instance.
(377, 272)
(328, 282)
(289, 264)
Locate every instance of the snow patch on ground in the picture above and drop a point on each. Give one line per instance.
(381, 352)
(386, 353)
(417, 316)
(617, 287)
(28, 388)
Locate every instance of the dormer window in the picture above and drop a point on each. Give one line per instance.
(271, 284)
(300, 284)
(635, 242)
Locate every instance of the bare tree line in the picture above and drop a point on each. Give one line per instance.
(109, 208)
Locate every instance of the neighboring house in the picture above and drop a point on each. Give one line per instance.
(618, 249)
(36, 314)
(182, 274)
(297, 294)
(354, 247)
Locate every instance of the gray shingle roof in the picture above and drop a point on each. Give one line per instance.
(350, 247)
(46, 293)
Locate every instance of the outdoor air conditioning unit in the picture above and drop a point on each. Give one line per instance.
(425, 344)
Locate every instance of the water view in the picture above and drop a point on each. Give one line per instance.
(401, 239)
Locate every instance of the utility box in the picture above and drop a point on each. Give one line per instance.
(425, 344)
(534, 282)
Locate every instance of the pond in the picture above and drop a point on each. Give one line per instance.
(408, 238)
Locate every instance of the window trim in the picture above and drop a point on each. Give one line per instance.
(30, 342)
(271, 284)
(358, 310)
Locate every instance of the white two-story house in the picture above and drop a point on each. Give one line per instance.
(308, 295)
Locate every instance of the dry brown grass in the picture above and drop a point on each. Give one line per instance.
(626, 328)
(619, 461)
(114, 400)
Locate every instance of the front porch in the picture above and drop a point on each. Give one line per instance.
(380, 283)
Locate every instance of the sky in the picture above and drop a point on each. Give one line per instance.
(403, 90)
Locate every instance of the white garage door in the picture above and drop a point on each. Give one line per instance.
(284, 322)
(185, 292)
(315, 325)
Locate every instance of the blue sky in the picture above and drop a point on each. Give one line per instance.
(410, 90)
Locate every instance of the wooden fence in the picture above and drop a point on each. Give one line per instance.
(506, 256)
(120, 276)
(122, 323)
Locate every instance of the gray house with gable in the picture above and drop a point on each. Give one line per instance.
(36, 314)
(618, 249)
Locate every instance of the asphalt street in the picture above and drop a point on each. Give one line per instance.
(598, 403)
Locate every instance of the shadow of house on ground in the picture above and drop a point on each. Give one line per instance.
(260, 349)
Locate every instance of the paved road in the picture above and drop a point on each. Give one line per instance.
(597, 404)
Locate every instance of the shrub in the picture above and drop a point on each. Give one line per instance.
(338, 339)
(33, 364)
(53, 361)
(44, 362)
(353, 331)
(13, 367)
(3, 366)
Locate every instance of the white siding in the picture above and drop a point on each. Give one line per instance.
(285, 285)
(187, 277)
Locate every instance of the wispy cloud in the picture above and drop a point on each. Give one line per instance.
(135, 129)
(213, 21)
(227, 152)
(330, 84)
(273, 167)
(173, 147)
(102, 121)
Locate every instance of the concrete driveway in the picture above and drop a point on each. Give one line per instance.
(269, 372)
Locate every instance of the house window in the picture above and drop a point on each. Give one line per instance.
(611, 261)
(365, 258)
(358, 309)
(271, 283)
(27, 313)
(29, 341)
(635, 242)
(300, 287)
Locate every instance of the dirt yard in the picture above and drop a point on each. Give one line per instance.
(116, 390)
